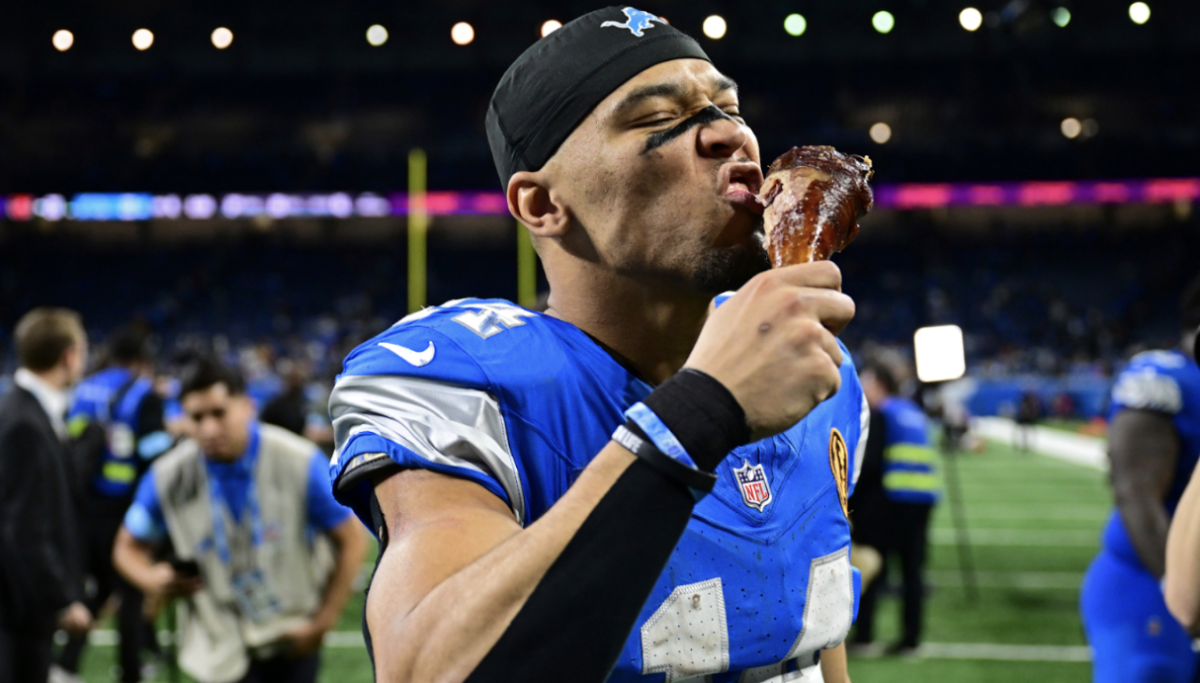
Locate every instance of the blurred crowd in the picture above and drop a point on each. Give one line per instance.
(1029, 303)
(129, 482)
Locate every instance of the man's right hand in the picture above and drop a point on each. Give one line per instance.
(76, 619)
(773, 344)
(163, 581)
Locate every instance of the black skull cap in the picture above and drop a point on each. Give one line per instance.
(561, 78)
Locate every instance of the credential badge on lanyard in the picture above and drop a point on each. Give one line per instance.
(255, 599)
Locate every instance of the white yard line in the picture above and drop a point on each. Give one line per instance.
(1077, 449)
(337, 639)
(1025, 580)
(1080, 512)
(1007, 653)
(1019, 537)
(986, 651)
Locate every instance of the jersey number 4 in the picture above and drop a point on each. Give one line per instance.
(687, 637)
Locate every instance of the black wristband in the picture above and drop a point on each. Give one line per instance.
(704, 417)
(576, 621)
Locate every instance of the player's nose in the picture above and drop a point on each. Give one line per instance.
(722, 139)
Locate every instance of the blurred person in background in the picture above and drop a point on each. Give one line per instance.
(869, 516)
(257, 363)
(1153, 446)
(248, 510)
(907, 485)
(117, 428)
(41, 580)
(1028, 413)
(1181, 583)
(289, 408)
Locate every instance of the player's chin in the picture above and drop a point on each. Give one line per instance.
(725, 269)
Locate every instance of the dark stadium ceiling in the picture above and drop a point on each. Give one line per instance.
(321, 37)
(301, 101)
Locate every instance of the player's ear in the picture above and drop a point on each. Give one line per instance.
(534, 203)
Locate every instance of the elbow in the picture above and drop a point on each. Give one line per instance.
(394, 667)
(122, 558)
(1127, 496)
(1134, 504)
(118, 557)
(1183, 603)
(1188, 616)
(405, 655)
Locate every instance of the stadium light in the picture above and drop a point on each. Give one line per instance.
(795, 24)
(1090, 128)
(883, 22)
(881, 132)
(970, 18)
(377, 35)
(143, 39)
(550, 27)
(1139, 12)
(714, 27)
(1071, 127)
(63, 40)
(940, 353)
(1061, 16)
(222, 38)
(462, 33)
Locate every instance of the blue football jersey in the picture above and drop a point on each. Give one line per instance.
(125, 454)
(1167, 382)
(521, 402)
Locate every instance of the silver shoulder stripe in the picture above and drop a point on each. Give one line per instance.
(442, 423)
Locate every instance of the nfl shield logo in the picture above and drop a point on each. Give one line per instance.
(752, 480)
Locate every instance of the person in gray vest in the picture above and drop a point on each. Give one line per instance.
(265, 557)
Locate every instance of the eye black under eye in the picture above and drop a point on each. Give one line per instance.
(704, 116)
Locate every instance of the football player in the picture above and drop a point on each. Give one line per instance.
(1154, 443)
(575, 495)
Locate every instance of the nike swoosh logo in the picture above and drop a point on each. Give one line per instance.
(411, 357)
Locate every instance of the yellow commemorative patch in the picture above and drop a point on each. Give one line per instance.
(839, 464)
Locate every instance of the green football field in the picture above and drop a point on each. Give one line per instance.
(1034, 525)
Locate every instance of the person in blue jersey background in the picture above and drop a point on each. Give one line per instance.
(635, 485)
(117, 421)
(1154, 443)
(1181, 584)
(900, 457)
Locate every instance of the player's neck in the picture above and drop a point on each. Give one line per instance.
(650, 325)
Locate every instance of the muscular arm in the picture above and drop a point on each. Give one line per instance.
(131, 558)
(458, 567)
(1143, 448)
(1182, 587)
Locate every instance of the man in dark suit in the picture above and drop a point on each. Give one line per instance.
(41, 586)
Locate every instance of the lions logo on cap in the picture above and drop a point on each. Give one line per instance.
(636, 22)
(839, 463)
